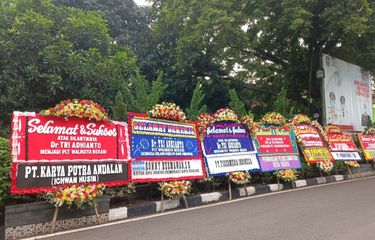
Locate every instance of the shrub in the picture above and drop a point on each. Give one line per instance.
(5, 159)
(308, 170)
(339, 167)
(120, 192)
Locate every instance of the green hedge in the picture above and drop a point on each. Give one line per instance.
(5, 159)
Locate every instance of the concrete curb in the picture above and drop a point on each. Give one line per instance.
(206, 198)
(148, 208)
(299, 183)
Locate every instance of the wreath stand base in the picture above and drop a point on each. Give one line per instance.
(56, 212)
(162, 202)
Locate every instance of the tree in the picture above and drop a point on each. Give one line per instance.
(184, 67)
(5, 160)
(283, 105)
(304, 30)
(119, 109)
(129, 24)
(157, 90)
(51, 53)
(196, 103)
(146, 96)
(138, 95)
(271, 44)
(236, 104)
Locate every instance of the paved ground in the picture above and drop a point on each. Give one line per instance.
(339, 211)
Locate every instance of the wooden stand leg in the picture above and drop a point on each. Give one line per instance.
(359, 171)
(247, 193)
(185, 201)
(350, 171)
(162, 202)
(320, 172)
(96, 211)
(229, 190)
(54, 219)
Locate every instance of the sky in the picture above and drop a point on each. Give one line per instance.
(142, 2)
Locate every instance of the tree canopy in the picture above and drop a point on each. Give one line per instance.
(262, 45)
(51, 53)
(129, 25)
(111, 51)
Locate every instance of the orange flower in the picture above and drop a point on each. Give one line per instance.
(168, 111)
(77, 108)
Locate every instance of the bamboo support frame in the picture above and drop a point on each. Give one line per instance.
(162, 202)
(185, 201)
(229, 190)
(96, 211)
(54, 219)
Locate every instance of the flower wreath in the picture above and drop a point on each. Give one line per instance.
(303, 119)
(175, 189)
(333, 129)
(300, 119)
(207, 179)
(353, 164)
(273, 118)
(326, 166)
(240, 178)
(204, 120)
(225, 114)
(248, 121)
(74, 196)
(287, 174)
(370, 131)
(168, 111)
(298, 136)
(320, 130)
(77, 108)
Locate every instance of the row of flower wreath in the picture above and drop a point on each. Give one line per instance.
(178, 189)
(85, 194)
(81, 195)
(93, 111)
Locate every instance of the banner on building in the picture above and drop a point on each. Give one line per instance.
(347, 94)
